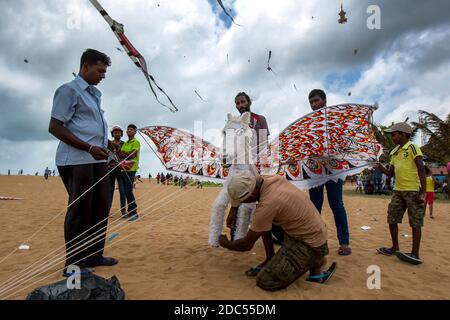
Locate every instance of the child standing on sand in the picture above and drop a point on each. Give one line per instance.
(359, 184)
(429, 198)
(409, 191)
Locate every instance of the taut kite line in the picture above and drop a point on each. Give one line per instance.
(134, 55)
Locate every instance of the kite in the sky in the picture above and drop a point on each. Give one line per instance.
(200, 96)
(355, 51)
(295, 87)
(74, 74)
(225, 11)
(327, 144)
(269, 68)
(268, 61)
(25, 60)
(118, 49)
(342, 17)
(134, 55)
(349, 94)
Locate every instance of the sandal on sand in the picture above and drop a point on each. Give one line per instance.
(408, 257)
(386, 251)
(344, 251)
(253, 271)
(325, 276)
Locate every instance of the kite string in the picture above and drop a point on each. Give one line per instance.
(74, 245)
(55, 261)
(107, 246)
(58, 214)
(81, 241)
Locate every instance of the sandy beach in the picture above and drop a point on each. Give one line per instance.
(164, 255)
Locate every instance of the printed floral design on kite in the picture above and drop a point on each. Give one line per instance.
(331, 142)
(183, 152)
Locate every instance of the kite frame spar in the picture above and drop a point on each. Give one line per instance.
(134, 55)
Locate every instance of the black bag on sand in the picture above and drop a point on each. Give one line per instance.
(92, 287)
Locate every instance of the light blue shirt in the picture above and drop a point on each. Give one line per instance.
(77, 105)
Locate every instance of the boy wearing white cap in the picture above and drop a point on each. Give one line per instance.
(305, 243)
(409, 191)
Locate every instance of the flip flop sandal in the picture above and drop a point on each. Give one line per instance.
(325, 276)
(344, 251)
(408, 257)
(386, 251)
(253, 271)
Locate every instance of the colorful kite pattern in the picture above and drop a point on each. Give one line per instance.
(327, 144)
(183, 152)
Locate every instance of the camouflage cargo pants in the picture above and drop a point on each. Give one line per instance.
(291, 261)
(402, 200)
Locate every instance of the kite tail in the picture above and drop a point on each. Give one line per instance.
(217, 216)
(134, 55)
(149, 79)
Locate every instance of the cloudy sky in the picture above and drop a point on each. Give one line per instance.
(404, 66)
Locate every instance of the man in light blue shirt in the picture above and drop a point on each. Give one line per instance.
(77, 121)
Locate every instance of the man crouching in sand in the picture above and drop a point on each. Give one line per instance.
(305, 243)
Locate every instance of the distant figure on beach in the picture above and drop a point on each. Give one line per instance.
(305, 240)
(47, 173)
(114, 171)
(130, 150)
(431, 185)
(149, 177)
(359, 184)
(409, 191)
(317, 100)
(158, 177)
(77, 121)
(9, 172)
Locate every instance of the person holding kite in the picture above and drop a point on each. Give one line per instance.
(259, 124)
(318, 100)
(77, 121)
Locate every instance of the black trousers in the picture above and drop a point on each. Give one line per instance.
(86, 212)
